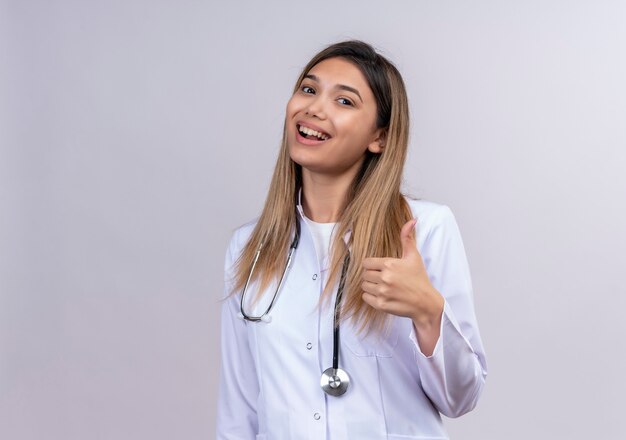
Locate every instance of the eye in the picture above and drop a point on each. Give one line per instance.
(345, 101)
(308, 90)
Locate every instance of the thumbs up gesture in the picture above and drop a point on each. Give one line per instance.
(400, 286)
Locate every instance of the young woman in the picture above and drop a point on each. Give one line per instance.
(349, 312)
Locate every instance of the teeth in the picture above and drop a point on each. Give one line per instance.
(311, 132)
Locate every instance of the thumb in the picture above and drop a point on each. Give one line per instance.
(407, 237)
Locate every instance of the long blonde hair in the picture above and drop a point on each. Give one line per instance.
(375, 209)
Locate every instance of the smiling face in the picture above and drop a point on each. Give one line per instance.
(331, 120)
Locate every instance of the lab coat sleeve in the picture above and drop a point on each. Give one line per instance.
(238, 385)
(454, 375)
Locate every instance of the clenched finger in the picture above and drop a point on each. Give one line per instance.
(374, 263)
(373, 276)
(371, 288)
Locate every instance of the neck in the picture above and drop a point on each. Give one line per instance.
(324, 197)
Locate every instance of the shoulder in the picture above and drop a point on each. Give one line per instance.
(428, 212)
(433, 219)
(240, 236)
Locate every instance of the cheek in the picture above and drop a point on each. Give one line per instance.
(289, 106)
(290, 111)
(293, 106)
(356, 129)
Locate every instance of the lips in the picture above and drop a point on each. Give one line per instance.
(310, 134)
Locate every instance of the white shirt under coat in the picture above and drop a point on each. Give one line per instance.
(270, 372)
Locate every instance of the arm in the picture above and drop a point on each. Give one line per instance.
(454, 374)
(238, 386)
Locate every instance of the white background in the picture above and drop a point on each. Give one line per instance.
(136, 135)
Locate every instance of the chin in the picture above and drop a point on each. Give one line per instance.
(306, 163)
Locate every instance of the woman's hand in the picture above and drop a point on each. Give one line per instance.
(400, 286)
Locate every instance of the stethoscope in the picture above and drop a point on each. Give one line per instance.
(334, 380)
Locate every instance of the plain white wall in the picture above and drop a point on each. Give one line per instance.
(136, 135)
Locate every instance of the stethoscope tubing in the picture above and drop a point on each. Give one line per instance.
(337, 316)
(292, 249)
(334, 380)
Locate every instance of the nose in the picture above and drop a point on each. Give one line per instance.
(315, 107)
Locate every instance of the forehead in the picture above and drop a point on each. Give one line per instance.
(335, 71)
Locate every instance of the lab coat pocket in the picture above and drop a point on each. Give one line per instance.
(376, 343)
(261, 437)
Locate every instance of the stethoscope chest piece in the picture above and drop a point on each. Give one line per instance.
(334, 381)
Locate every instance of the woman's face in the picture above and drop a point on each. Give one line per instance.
(331, 119)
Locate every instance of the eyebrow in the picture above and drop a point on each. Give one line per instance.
(338, 86)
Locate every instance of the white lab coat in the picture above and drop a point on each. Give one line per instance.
(270, 372)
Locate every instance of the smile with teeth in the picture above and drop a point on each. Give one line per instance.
(309, 133)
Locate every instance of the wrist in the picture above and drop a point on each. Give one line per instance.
(430, 316)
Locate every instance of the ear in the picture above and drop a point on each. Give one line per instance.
(378, 144)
